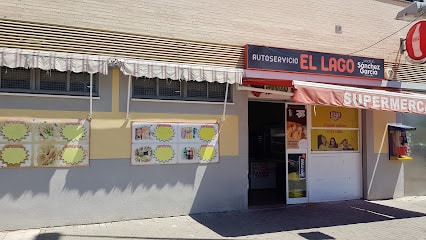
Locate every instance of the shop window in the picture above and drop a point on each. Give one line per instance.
(169, 89)
(15, 78)
(22, 80)
(334, 129)
(166, 89)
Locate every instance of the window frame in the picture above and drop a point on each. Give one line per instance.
(35, 84)
(183, 96)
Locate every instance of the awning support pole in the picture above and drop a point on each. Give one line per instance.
(129, 88)
(91, 96)
(226, 100)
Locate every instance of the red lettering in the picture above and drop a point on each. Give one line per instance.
(304, 61)
(350, 65)
(323, 68)
(332, 63)
(311, 67)
(341, 65)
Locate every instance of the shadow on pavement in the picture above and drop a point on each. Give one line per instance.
(48, 236)
(316, 236)
(298, 217)
(57, 236)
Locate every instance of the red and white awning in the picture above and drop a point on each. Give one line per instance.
(14, 58)
(46, 60)
(179, 71)
(335, 95)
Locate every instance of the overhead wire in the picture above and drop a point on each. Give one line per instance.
(381, 40)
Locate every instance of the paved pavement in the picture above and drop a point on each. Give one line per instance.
(403, 218)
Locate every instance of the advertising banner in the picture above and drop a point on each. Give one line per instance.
(291, 60)
(351, 97)
(297, 175)
(44, 143)
(296, 127)
(173, 143)
(334, 117)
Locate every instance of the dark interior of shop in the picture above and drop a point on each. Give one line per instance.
(266, 153)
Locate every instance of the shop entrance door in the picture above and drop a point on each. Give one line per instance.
(267, 158)
(296, 153)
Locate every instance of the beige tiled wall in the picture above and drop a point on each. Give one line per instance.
(307, 25)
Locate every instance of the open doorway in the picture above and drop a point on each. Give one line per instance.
(267, 169)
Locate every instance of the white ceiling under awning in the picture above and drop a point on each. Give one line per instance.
(14, 58)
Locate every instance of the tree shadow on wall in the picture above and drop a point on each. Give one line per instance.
(19, 181)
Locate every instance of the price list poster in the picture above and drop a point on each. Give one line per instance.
(174, 143)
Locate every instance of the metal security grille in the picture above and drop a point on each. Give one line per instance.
(196, 90)
(53, 81)
(15, 78)
(144, 87)
(217, 91)
(80, 82)
(154, 88)
(169, 88)
(22, 80)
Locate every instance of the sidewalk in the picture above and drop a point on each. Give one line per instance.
(403, 218)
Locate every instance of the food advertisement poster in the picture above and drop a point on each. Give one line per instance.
(334, 129)
(296, 127)
(174, 143)
(44, 143)
(297, 175)
(334, 140)
(334, 117)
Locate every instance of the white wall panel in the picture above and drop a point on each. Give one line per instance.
(334, 176)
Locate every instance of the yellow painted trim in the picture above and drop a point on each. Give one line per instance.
(380, 121)
(110, 132)
(401, 158)
(115, 90)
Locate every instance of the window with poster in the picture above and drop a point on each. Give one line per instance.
(334, 129)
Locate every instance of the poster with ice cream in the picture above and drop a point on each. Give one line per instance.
(171, 143)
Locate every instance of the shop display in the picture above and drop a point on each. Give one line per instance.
(334, 129)
(297, 175)
(296, 127)
(44, 143)
(171, 143)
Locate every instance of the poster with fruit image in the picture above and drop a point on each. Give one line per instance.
(44, 143)
(171, 143)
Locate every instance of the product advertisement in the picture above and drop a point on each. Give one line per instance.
(44, 143)
(297, 175)
(334, 129)
(173, 143)
(296, 127)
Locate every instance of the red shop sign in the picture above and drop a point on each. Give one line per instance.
(415, 42)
